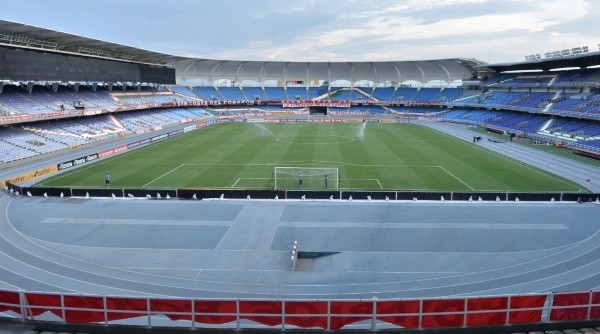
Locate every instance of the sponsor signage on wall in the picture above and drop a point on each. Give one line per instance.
(76, 162)
(112, 151)
(31, 175)
(316, 103)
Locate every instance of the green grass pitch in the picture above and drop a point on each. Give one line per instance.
(369, 156)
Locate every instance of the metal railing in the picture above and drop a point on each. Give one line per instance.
(281, 313)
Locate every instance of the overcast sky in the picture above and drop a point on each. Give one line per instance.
(324, 30)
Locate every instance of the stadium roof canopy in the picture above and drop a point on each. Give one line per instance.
(24, 35)
(582, 61)
(207, 71)
(195, 71)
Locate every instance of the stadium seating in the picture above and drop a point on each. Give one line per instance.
(275, 93)
(207, 93)
(521, 80)
(316, 92)
(359, 110)
(574, 127)
(383, 93)
(38, 138)
(416, 110)
(404, 94)
(254, 92)
(232, 93)
(592, 143)
(183, 91)
(17, 100)
(359, 94)
(425, 95)
(577, 77)
(527, 123)
(294, 93)
(101, 98)
(29, 141)
(469, 116)
(340, 93)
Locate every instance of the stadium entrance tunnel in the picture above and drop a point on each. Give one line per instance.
(320, 262)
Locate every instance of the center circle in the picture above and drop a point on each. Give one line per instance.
(315, 140)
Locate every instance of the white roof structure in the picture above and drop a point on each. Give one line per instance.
(195, 71)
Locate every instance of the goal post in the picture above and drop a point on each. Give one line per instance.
(306, 178)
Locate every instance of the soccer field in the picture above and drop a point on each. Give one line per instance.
(368, 156)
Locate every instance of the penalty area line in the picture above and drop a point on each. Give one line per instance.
(249, 178)
(459, 180)
(165, 174)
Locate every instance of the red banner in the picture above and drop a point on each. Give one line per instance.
(39, 303)
(535, 302)
(312, 314)
(395, 311)
(347, 310)
(306, 314)
(595, 311)
(452, 309)
(112, 151)
(215, 311)
(498, 317)
(11, 298)
(93, 303)
(257, 311)
(316, 103)
(117, 308)
(174, 309)
(572, 313)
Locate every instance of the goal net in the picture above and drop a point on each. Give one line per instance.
(307, 178)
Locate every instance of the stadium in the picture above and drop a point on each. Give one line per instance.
(150, 192)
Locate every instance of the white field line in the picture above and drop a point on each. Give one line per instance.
(249, 178)
(507, 158)
(525, 165)
(94, 164)
(293, 178)
(165, 174)
(459, 180)
(307, 164)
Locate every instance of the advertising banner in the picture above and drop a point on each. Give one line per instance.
(316, 103)
(77, 162)
(31, 175)
(112, 151)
